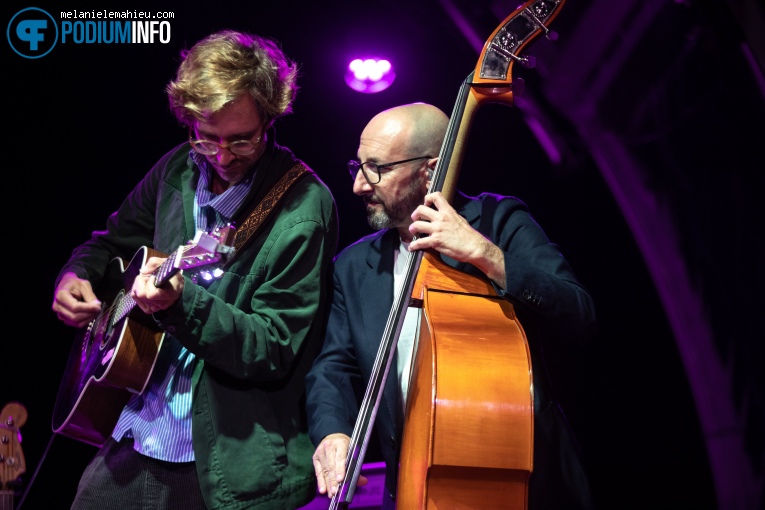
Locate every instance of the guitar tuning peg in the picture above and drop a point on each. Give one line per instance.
(206, 275)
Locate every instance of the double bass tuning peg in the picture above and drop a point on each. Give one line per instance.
(549, 34)
(528, 62)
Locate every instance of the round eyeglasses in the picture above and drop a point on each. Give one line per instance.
(372, 171)
(211, 148)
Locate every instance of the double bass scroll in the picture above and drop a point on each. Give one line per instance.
(491, 81)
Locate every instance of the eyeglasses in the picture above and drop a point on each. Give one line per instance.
(210, 148)
(372, 171)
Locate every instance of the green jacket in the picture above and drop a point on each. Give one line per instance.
(255, 330)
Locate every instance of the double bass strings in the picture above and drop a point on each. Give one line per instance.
(362, 430)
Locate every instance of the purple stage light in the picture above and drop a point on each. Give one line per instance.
(369, 75)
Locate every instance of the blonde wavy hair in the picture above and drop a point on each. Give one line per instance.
(220, 67)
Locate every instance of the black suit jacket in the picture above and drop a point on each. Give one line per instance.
(550, 303)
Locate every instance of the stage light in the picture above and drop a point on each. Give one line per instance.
(369, 75)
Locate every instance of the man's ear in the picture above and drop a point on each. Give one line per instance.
(431, 169)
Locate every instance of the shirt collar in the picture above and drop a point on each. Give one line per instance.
(227, 202)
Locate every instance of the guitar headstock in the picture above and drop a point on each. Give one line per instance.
(206, 248)
(492, 78)
(206, 253)
(12, 464)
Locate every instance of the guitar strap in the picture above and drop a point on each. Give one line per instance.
(258, 215)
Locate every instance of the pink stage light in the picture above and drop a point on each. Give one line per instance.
(369, 75)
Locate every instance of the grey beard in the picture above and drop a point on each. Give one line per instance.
(379, 221)
(400, 213)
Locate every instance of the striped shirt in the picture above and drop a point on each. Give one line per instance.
(159, 419)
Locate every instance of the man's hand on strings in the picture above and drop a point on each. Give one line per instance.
(74, 301)
(437, 225)
(329, 463)
(147, 295)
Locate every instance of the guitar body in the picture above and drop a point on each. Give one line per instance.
(111, 359)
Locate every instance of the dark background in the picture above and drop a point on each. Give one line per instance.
(656, 108)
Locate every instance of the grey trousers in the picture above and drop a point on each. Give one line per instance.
(119, 478)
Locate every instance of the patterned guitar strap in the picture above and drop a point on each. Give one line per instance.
(265, 207)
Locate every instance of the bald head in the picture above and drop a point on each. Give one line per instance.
(409, 130)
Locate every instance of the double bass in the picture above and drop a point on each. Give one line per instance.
(468, 429)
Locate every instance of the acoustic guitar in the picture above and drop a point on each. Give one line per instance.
(113, 357)
(12, 464)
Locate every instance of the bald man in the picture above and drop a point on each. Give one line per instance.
(488, 235)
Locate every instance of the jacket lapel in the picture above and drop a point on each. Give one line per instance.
(377, 286)
(376, 283)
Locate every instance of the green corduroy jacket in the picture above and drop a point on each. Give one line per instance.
(255, 330)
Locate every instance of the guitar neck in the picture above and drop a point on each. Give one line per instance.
(168, 268)
(125, 303)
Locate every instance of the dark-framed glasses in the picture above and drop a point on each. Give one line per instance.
(211, 148)
(372, 171)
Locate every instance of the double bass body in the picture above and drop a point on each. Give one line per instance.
(468, 432)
